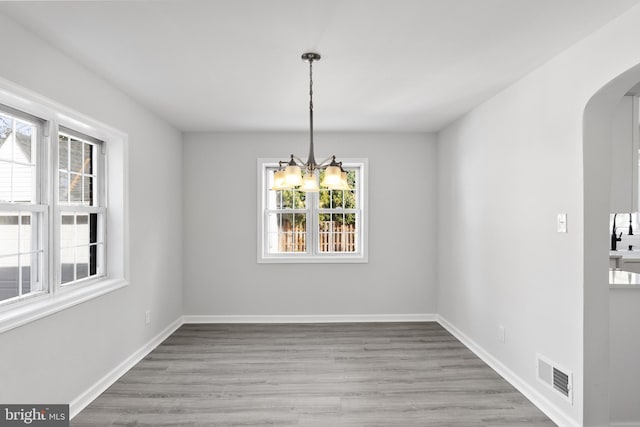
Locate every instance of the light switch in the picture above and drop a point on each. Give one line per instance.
(562, 223)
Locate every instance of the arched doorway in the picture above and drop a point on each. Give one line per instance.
(596, 172)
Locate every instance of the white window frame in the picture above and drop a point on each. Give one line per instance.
(39, 207)
(114, 196)
(99, 206)
(313, 255)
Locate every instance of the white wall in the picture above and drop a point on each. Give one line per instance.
(625, 348)
(505, 170)
(55, 359)
(624, 164)
(503, 173)
(222, 276)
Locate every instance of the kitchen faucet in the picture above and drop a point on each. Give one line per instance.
(615, 239)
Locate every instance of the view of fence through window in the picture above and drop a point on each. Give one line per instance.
(336, 223)
(332, 213)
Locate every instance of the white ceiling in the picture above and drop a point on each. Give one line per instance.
(387, 65)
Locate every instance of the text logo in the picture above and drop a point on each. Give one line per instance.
(34, 415)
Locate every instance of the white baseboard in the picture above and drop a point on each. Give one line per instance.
(321, 318)
(82, 401)
(551, 410)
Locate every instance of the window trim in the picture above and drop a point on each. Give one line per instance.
(116, 200)
(362, 256)
(100, 175)
(38, 206)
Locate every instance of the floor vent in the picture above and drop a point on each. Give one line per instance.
(557, 378)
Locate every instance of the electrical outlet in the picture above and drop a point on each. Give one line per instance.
(501, 334)
(147, 317)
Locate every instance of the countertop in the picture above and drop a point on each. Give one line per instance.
(624, 253)
(619, 279)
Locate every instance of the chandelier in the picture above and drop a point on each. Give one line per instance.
(290, 173)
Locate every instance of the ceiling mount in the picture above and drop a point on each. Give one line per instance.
(311, 56)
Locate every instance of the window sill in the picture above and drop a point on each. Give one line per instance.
(313, 260)
(45, 305)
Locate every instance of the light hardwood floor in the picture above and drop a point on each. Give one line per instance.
(352, 374)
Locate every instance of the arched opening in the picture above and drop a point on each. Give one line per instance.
(597, 122)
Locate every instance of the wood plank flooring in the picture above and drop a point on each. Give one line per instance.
(351, 374)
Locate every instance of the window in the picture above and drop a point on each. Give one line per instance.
(54, 188)
(328, 226)
(79, 236)
(82, 211)
(21, 210)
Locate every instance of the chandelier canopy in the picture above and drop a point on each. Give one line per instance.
(290, 173)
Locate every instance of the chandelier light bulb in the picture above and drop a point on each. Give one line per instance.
(332, 177)
(279, 180)
(310, 183)
(293, 176)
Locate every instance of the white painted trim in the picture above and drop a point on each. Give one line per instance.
(54, 297)
(313, 257)
(31, 102)
(35, 308)
(551, 410)
(89, 395)
(320, 318)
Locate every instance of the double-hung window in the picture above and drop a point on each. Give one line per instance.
(81, 211)
(77, 241)
(327, 226)
(22, 210)
(55, 250)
